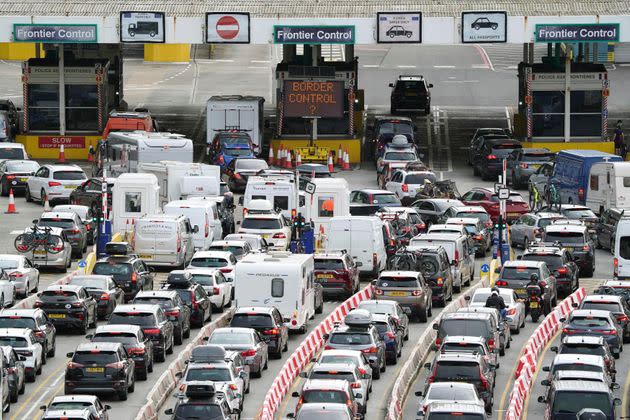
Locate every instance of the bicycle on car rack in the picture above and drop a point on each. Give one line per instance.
(39, 237)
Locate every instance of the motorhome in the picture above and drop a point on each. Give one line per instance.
(181, 180)
(278, 279)
(133, 196)
(280, 191)
(202, 214)
(331, 198)
(609, 186)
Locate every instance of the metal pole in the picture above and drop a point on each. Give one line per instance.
(567, 97)
(62, 92)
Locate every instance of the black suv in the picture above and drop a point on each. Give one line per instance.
(174, 308)
(68, 306)
(560, 262)
(607, 226)
(576, 239)
(434, 265)
(100, 368)
(468, 324)
(566, 399)
(202, 401)
(488, 158)
(138, 345)
(128, 271)
(268, 322)
(410, 93)
(193, 295)
(90, 194)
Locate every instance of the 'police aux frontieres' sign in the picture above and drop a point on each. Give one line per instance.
(577, 32)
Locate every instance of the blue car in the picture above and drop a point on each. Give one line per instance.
(228, 152)
(391, 335)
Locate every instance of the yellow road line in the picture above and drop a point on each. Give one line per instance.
(35, 392)
(540, 361)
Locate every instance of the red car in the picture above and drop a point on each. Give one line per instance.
(337, 273)
(516, 206)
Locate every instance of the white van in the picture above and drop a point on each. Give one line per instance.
(621, 262)
(203, 215)
(133, 196)
(279, 279)
(362, 237)
(608, 186)
(328, 191)
(457, 246)
(164, 240)
(281, 192)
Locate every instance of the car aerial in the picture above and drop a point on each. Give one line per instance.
(358, 333)
(391, 308)
(100, 368)
(14, 174)
(128, 271)
(484, 22)
(409, 289)
(139, 346)
(568, 398)
(577, 240)
(559, 261)
(16, 372)
(36, 320)
(580, 362)
(274, 228)
(480, 137)
(174, 308)
(410, 93)
(607, 226)
(515, 314)
(587, 345)
(103, 289)
(79, 402)
(85, 216)
(594, 322)
(22, 273)
(443, 411)
(481, 235)
(72, 226)
(256, 242)
(464, 367)
(354, 357)
(523, 162)
(391, 334)
(90, 194)
(516, 206)
(219, 289)
(236, 248)
(530, 227)
(192, 294)
(248, 342)
(337, 273)
(488, 158)
(472, 324)
(329, 391)
(267, 321)
(517, 274)
(444, 392)
(205, 400)
(617, 306)
(68, 306)
(431, 209)
(41, 258)
(154, 324)
(240, 169)
(405, 184)
(54, 182)
(221, 260)
(368, 201)
(25, 344)
(339, 371)
(468, 344)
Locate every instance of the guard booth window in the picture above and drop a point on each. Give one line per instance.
(548, 113)
(43, 107)
(82, 108)
(586, 113)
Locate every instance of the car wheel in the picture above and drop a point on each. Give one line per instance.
(458, 289)
(384, 367)
(30, 377)
(36, 286)
(3, 187)
(431, 307)
(150, 368)
(39, 368)
(179, 339)
(122, 395)
(525, 242)
(171, 347)
(94, 319)
(23, 387)
(187, 332)
(475, 170)
(44, 353)
(84, 327)
(516, 331)
(14, 397)
(132, 387)
(144, 374)
(423, 316)
(42, 197)
(286, 346)
(376, 373)
(501, 351)
(476, 27)
(27, 195)
(51, 352)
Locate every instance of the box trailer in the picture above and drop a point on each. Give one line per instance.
(236, 113)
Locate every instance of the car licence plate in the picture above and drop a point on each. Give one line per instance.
(520, 291)
(96, 369)
(411, 94)
(39, 252)
(23, 179)
(533, 304)
(397, 293)
(57, 316)
(70, 187)
(513, 214)
(325, 276)
(535, 166)
(146, 256)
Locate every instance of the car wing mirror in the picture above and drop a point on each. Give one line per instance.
(303, 375)
(168, 411)
(295, 394)
(554, 349)
(427, 365)
(546, 369)
(70, 354)
(541, 399)
(545, 382)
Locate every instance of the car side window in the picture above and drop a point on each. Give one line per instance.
(426, 205)
(468, 196)
(218, 278)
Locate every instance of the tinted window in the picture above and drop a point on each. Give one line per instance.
(582, 349)
(624, 247)
(328, 264)
(419, 178)
(457, 370)
(588, 321)
(382, 327)
(13, 341)
(18, 323)
(208, 262)
(470, 327)
(538, 157)
(277, 288)
(553, 261)
(348, 376)
(565, 237)
(384, 199)
(199, 411)
(281, 202)
(95, 358)
(209, 374)
(572, 402)
(58, 296)
(232, 151)
(60, 223)
(11, 153)
(255, 223)
(400, 156)
(143, 320)
(123, 338)
(229, 337)
(351, 338)
(455, 415)
(164, 303)
(397, 282)
(21, 166)
(604, 306)
(252, 321)
(69, 175)
(111, 268)
(518, 273)
(321, 396)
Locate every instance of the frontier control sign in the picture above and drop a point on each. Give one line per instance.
(576, 32)
(287, 34)
(55, 33)
(313, 98)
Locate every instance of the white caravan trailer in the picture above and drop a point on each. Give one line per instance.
(133, 196)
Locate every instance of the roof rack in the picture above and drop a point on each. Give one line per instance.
(208, 353)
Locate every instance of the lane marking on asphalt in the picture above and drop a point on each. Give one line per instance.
(56, 388)
(443, 67)
(371, 66)
(32, 394)
(484, 56)
(508, 119)
(406, 66)
(535, 377)
(260, 61)
(509, 384)
(626, 389)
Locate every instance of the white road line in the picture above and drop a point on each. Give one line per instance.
(508, 119)
(511, 67)
(406, 66)
(624, 65)
(16, 232)
(51, 387)
(258, 67)
(371, 66)
(480, 66)
(443, 67)
(461, 81)
(220, 60)
(484, 56)
(260, 61)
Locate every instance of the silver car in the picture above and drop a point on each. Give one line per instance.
(41, 258)
(343, 371)
(523, 162)
(354, 357)
(447, 392)
(530, 227)
(21, 272)
(246, 340)
(515, 311)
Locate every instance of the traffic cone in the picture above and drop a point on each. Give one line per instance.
(271, 160)
(298, 159)
(46, 202)
(11, 208)
(289, 165)
(331, 166)
(91, 154)
(283, 156)
(346, 161)
(62, 155)
(339, 156)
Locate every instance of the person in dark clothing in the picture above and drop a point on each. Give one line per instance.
(496, 301)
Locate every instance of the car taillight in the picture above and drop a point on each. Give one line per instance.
(134, 277)
(501, 283)
(233, 387)
(273, 331)
(54, 184)
(416, 293)
(581, 193)
(174, 312)
(378, 292)
(10, 177)
(484, 381)
(562, 270)
(237, 176)
(136, 351)
(567, 331)
(456, 256)
(37, 304)
(194, 302)
(179, 244)
(16, 275)
(22, 248)
(390, 335)
(73, 365)
(524, 165)
(104, 296)
(438, 341)
(221, 160)
(152, 331)
(216, 290)
(355, 385)
(478, 237)
(27, 353)
(371, 350)
(248, 353)
(74, 231)
(490, 157)
(115, 365)
(615, 266)
(439, 281)
(225, 270)
(206, 230)
(279, 235)
(622, 318)
(77, 305)
(606, 332)
(491, 344)
(40, 333)
(511, 311)
(88, 227)
(57, 248)
(586, 248)
(362, 371)
(405, 187)
(328, 348)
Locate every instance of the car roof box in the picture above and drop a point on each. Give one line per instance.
(118, 248)
(207, 353)
(400, 140)
(358, 318)
(200, 390)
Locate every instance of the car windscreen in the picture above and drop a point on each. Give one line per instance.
(582, 348)
(16, 342)
(604, 306)
(260, 223)
(70, 405)
(479, 216)
(382, 327)
(17, 322)
(565, 237)
(9, 264)
(332, 374)
(588, 322)
(112, 268)
(324, 396)
(208, 262)
(209, 374)
(254, 320)
(351, 338)
(250, 165)
(385, 199)
(203, 279)
(338, 359)
(60, 223)
(199, 411)
(457, 370)
(543, 223)
(395, 128)
(463, 347)
(400, 156)
(96, 357)
(234, 250)
(412, 85)
(329, 264)
(419, 178)
(578, 213)
(538, 157)
(553, 261)
(469, 327)
(518, 273)
(133, 318)
(22, 166)
(69, 175)
(572, 402)
(230, 337)
(397, 282)
(115, 337)
(164, 303)
(58, 296)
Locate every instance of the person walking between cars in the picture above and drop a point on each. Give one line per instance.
(496, 301)
(620, 145)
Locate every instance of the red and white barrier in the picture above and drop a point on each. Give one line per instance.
(528, 361)
(303, 354)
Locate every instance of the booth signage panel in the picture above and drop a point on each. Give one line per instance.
(314, 98)
(142, 27)
(55, 33)
(484, 27)
(579, 81)
(575, 32)
(399, 27)
(291, 34)
(227, 28)
(55, 142)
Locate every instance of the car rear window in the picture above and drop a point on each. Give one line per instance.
(463, 347)
(338, 358)
(400, 156)
(382, 327)
(209, 374)
(19, 166)
(58, 296)
(259, 223)
(17, 322)
(112, 268)
(397, 282)
(604, 306)
(332, 374)
(565, 237)
(250, 164)
(480, 216)
(69, 175)
(60, 223)
(457, 371)
(199, 411)
(203, 279)
(90, 283)
(254, 320)
(446, 393)
(576, 366)
(506, 145)
(351, 338)
(469, 327)
(115, 337)
(543, 223)
(385, 199)
(329, 264)
(582, 348)
(419, 178)
(518, 273)
(457, 415)
(324, 396)
(208, 262)
(414, 85)
(514, 197)
(378, 308)
(133, 318)
(589, 321)
(395, 127)
(165, 303)
(572, 402)
(17, 342)
(230, 337)
(11, 153)
(538, 157)
(578, 213)
(95, 357)
(553, 261)
(235, 250)
(9, 264)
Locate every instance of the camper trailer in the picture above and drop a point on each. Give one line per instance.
(280, 191)
(133, 196)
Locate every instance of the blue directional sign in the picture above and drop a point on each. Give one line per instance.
(82, 264)
(485, 268)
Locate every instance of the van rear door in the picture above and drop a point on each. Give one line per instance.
(157, 241)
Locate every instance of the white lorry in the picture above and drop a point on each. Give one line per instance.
(133, 196)
(279, 279)
(236, 113)
(180, 180)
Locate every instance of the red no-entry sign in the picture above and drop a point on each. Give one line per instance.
(227, 27)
